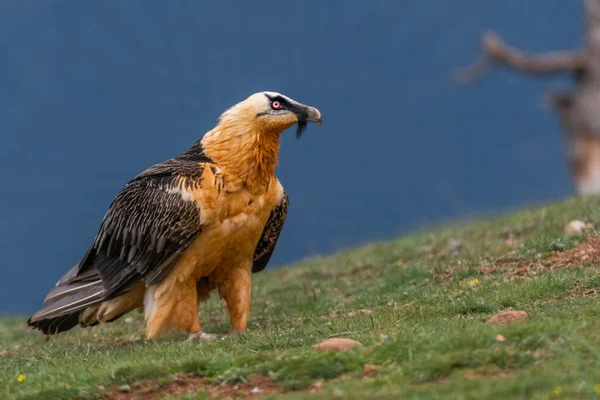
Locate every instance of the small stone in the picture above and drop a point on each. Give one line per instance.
(316, 387)
(574, 227)
(125, 388)
(255, 390)
(201, 336)
(455, 244)
(368, 368)
(500, 338)
(336, 344)
(128, 320)
(507, 317)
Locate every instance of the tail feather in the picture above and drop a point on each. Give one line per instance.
(55, 325)
(69, 289)
(63, 305)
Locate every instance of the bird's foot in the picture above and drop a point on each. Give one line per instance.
(201, 336)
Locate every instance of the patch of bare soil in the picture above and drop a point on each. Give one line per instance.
(494, 374)
(585, 253)
(184, 384)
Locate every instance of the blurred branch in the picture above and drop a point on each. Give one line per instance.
(496, 52)
(577, 108)
(592, 25)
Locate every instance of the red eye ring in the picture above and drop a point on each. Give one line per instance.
(276, 105)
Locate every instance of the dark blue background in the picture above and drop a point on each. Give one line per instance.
(92, 93)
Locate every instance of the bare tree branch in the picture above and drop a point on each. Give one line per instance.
(578, 108)
(592, 27)
(496, 52)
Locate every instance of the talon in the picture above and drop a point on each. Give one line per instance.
(201, 336)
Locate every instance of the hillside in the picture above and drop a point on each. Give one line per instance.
(417, 304)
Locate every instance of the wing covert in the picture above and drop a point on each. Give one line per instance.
(148, 225)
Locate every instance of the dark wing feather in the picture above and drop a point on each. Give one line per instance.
(270, 235)
(148, 225)
(146, 228)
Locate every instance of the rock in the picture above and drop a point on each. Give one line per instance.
(368, 368)
(500, 338)
(336, 344)
(316, 387)
(125, 388)
(507, 317)
(574, 227)
(454, 244)
(354, 313)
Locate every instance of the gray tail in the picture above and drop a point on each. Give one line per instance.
(66, 301)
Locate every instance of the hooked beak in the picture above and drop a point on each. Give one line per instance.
(314, 115)
(305, 115)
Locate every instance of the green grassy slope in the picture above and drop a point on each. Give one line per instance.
(417, 304)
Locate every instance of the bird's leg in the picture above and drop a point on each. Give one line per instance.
(173, 305)
(203, 289)
(234, 288)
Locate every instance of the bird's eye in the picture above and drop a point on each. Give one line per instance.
(276, 105)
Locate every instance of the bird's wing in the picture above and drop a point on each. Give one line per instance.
(148, 225)
(270, 234)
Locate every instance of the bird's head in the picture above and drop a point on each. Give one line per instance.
(245, 141)
(273, 112)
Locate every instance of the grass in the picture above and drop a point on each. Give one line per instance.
(417, 304)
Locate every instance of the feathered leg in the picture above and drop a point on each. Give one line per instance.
(234, 287)
(171, 305)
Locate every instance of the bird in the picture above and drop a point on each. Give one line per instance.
(205, 220)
